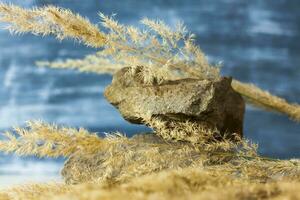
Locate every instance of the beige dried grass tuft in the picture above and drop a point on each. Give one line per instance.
(116, 158)
(51, 20)
(45, 140)
(157, 45)
(149, 167)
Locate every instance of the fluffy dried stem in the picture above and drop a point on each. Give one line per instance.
(157, 45)
(44, 140)
(265, 100)
(91, 63)
(194, 132)
(51, 20)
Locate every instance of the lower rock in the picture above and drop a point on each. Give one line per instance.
(128, 158)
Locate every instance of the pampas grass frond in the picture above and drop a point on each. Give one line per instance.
(202, 137)
(91, 63)
(44, 140)
(155, 46)
(51, 20)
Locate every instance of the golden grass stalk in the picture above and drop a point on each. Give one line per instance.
(44, 140)
(51, 20)
(91, 63)
(157, 45)
(265, 100)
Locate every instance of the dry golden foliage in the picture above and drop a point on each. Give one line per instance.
(147, 166)
(116, 158)
(147, 154)
(51, 20)
(188, 183)
(155, 46)
(44, 140)
(264, 99)
(91, 63)
(35, 191)
(194, 132)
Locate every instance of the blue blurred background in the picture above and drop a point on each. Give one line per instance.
(258, 42)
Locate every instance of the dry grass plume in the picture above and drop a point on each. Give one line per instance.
(45, 140)
(51, 20)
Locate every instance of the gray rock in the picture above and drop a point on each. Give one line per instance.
(210, 102)
(127, 158)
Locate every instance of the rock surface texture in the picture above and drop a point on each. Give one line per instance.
(210, 102)
(140, 155)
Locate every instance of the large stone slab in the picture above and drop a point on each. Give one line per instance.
(210, 102)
